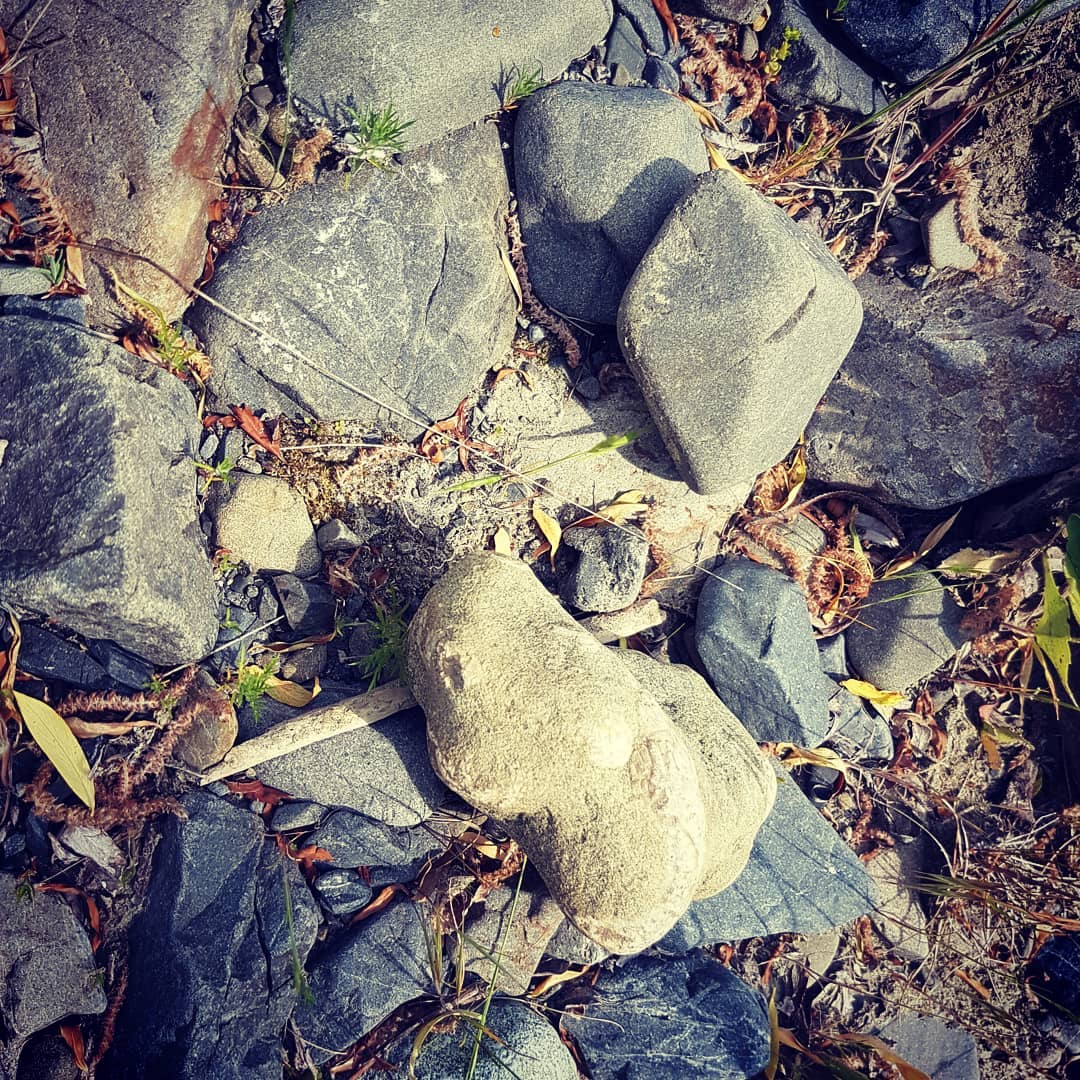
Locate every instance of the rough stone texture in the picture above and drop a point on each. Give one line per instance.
(609, 570)
(598, 168)
(264, 521)
(570, 944)
(940, 1051)
(816, 72)
(738, 785)
(730, 277)
(1054, 974)
(135, 102)
(754, 637)
(441, 65)
(122, 667)
(941, 235)
(899, 919)
(897, 642)
(106, 539)
(662, 1019)
(308, 606)
(647, 23)
(394, 285)
(381, 771)
(625, 52)
(526, 1047)
(801, 878)
(979, 388)
(342, 892)
(49, 656)
(46, 966)
(355, 840)
(362, 978)
(597, 785)
(519, 943)
(210, 984)
(213, 732)
(740, 11)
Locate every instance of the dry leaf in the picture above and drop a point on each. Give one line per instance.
(548, 981)
(550, 528)
(255, 429)
(889, 699)
(978, 561)
(91, 729)
(511, 273)
(501, 542)
(50, 731)
(933, 538)
(290, 693)
(884, 1051)
(73, 1036)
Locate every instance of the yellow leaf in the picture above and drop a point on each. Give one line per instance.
(884, 1051)
(501, 540)
(550, 528)
(796, 475)
(548, 981)
(624, 506)
(759, 23)
(290, 693)
(774, 1039)
(50, 731)
(888, 698)
(933, 538)
(790, 754)
(74, 261)
(977, 561)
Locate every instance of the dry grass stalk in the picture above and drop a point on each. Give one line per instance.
(533, 308)
(861, 260)
(21, 159)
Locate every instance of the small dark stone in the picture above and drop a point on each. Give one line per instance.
(123, 667)
(355, 840)
(308, 606)
(610, 568)
(342, 892)
(296, 815)
(646, 22)
(624, 48)
(662, 75)
(335, 535)
(49, 656)
(1054, 974)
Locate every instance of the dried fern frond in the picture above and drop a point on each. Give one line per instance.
(956, 178)
(21, 160)
(861, 260)
(720, 71)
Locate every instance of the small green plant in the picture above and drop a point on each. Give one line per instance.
(782, 51)
(54, 267)
(225, 562)
(519, 83)
(373, 136)
(156, 684)
(221, 473)
(229, 623)
(252, 683)
(301, 988)
(836, 12)
(387, 659)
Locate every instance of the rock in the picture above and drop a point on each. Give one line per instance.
(381, 771)
(625, 52)
(940, 1051)
(397, 290)
(610, 626)
(907, 628)
(730, 275)
(47, 968)
(598, 787)
(754, 637)
(300, 814)
(356, 840)
(941, 235)
(342, 892)
(979, 390)
(663, 1019)
(738, 11)
(214, 728)
(570, 944)
(816, 72)
(738, 783)
(17, 280)
(170, 73)
(525, 1045)
(647, 24)
(46, 1057)
(610, 568)
(519, 943)
(121, 666)
(117, 554)
(49, 656)
(264, 521)
(662, 75)
(308, 606)
(598, 168)
(1054, 974)
(305, 665)
(363, 976)
(335, 535)
(899, 918)
(210, 985)
(856, 730)
(749, 45)
(801, 878)
(442, 67)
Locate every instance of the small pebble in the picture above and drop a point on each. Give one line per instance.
(261, 95)
(588, 388)
(748, 43)
(536, 334)
(253, 74)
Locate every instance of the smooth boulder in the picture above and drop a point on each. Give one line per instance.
(533, 721)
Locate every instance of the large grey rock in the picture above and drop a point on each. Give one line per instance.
(907, 628)
(754, 637)
(442, 66)
(525, 1047)
(660, 1019)
(46, 965)
(601, 790)
(364, 975)
(935, 1048)
(598, 168)
(210, 985)
(381, 770)
(801, 878)
(100, 530)
(139, 174)
(816, 72)
(393, 285)
(976, 390)
(730, 276)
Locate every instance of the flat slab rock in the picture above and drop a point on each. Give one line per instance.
(981, 388)
(210, 985)
(441, 65)
(734, 324)
(106, 539)
(393, 287)
(135, 102)
(661, 1019)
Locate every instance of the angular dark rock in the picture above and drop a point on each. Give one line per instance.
(754, 637)
(730, 276)
(121, 666)
(49, 656)
(598, 168)
(354, 840)
(656, 1018)
(610, 568)
(99, 463)
(393, 285)
(342, 892)
(1054, 974)
(801, 878)
(308, 606)
(647, 24)
(296, 815)
(625, 52)
(210, 985)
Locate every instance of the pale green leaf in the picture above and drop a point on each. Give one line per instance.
(50, 731)
(1052, 631)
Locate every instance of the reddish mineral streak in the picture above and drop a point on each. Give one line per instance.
(202, 141)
